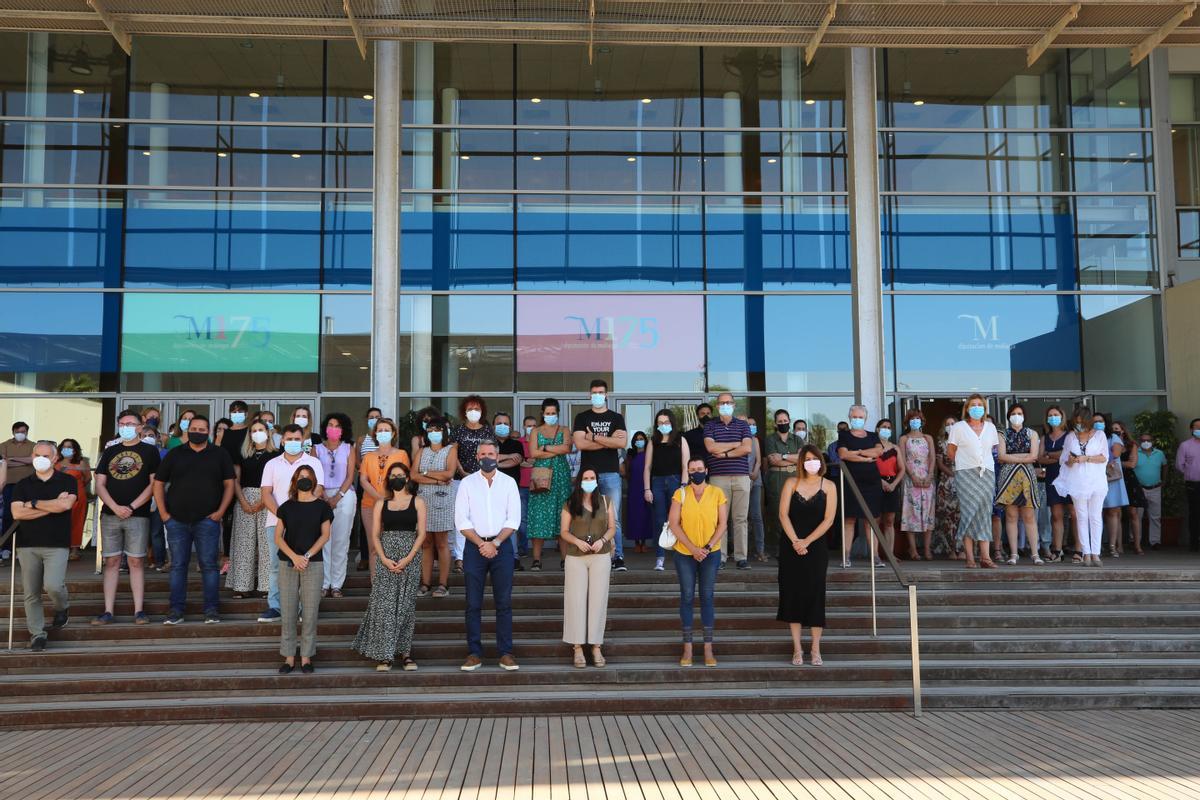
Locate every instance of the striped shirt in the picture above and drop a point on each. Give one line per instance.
(721, 433)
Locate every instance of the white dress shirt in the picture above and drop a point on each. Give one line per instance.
(974, 449)
(487, 508)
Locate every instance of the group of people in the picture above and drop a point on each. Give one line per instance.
(471, 498)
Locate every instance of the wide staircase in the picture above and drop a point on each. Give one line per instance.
(1025, 637)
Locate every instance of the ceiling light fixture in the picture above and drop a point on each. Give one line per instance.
(368, 97)
(145, 152)
(77, 91)
(631, 159)
(222, 155)
(810, 102)
(646, 100)
(537, 158)
(535, 99)
(255, 94)
(918, 102)
(295, 155)
(771, 160)
(465, 157)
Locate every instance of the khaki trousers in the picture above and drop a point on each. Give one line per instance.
(585, 598)
(737, 492)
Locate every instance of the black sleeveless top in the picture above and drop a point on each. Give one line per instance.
(403, 520)
(667, 459)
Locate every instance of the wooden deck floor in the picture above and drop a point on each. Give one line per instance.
(1080, 755)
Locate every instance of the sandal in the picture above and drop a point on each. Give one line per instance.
(598, 657)
(987, 563)
(915, 557)
(578, 658)
(972, 565)
(816, 660)
(1077, 558)
(407, 664)
(440, 591)
(423, 590)
(336, 593)
(798, 659)
(383, 666)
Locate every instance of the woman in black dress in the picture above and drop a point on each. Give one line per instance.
(859, 450)
(807, 507)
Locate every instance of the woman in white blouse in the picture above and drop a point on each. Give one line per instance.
(1084, 458)
(970, 446)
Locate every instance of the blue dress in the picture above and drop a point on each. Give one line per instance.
(1117, 495)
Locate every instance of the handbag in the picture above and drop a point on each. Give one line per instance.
(540, 478)
(1113, 471)
(667, 538)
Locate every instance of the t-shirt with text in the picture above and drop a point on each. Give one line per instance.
(127, 470)
(604, 423)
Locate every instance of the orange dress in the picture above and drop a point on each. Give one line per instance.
(375, 467)
(79, 510)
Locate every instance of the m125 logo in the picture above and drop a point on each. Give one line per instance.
(624, 332)
(232, 331)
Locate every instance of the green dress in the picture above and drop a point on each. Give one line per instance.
(545, 508)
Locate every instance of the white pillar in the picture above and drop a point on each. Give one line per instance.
(731, 117)
(385, 238)
(1164, 182)
(37, 72)
(160, 108)
(866, 278)
(422, 114)
(450, 148)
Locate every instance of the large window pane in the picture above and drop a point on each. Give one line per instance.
(791, 161)
(1106, 92)
(456, 343)
(1112, 162)
(456, 159)
(772, 87)
(937, 161)
(1185, 146)
(638, 343)
(211, 155)
(458, 84)
(53, 237)
(345, 343)
(61, 75)
(987, 343)
(223, 239)
(1116, 242)
(349, 83)
(58, 342)
(608, 161)
(628, 86)
(774, 242)
(969, 88)
(456, 241)
(1189, 233)
(61, 152)
(219, 341)
(346, 243)
(979, 242)
(252, 80)
(349, 158)
(618, 242)
(1122, 342)
(822, 415)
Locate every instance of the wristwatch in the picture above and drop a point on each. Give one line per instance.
(33, 503)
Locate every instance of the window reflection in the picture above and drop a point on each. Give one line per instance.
(346, 241)
(774, 161)
(194, 155)
(456, 343)
(349, 83)
(60, 237)
(345, 343)
(772, 87)
(456, 241)
(612, 161)
(457, 84)
(1122, 342)
(59, 342)
(61, 152)
(456, 159)
(45, 74)
(1116, 241)
(934, 161)
(1106, 92)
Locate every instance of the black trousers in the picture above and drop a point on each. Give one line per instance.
(1192, 489)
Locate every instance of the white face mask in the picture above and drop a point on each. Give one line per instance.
(812, 466)
(302, 421)
(802, 434)
(42, 464)
(474, 415)
(1147, 445)
(258, 437)
(1017, 419)
(148, 440)
(20, 437)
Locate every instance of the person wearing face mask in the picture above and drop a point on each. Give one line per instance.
(699, 518)
(179, 431)
(970, 447)
(487, 511)
(158, 537)
(919, 452)
(638, 513)
(781, 450)
(757, 533)
(1082, 478)
(250, 553)
(230, 438)
(302, 528)
(1133, 489)
(150, 415)
(42, 503)
(425, 416)
(373, 468)
(124, 476)
(366, 444)
(276, 484)
(512, 456)
(339, 459)
(550, 480)
(945, 526)
(468, 435)
(695, 436)
(17, 453)
(807, 510)
(1151, 473)
(1016, 485)
(398, 543)
(1055, 436)
(730, 448)
(437, 463)
(600, 434)
(588, 523)
(303, 417)
(1187, 462)
(1116, 498)
(268, 418)
(664, 472)
(72, 462)
(858, 450)
(892, 471)
(192, 489)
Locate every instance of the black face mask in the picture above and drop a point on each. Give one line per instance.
(784, 428)
(698, 477)
(305, 484)
(398, 482)
(197, 438)
(152, 422)
(488, 464)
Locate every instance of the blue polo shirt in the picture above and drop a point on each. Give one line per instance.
(722, 433)
(1149, 467)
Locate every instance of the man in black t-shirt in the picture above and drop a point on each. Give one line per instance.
(42, 503)
(124, 484)
(695, 437)
(599, 435)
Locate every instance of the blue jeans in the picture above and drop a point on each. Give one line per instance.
(688, 570)
(522, 535)
(610, 487)
(756, 518)
(273, 580)
(663, 488)
(205, 535)
(476, 570)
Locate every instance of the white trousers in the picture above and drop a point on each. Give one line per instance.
(337, 549)
(1154, 511)
(1089, 520)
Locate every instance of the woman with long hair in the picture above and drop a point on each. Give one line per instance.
(664, 471)
(1016, 490)
(339, 460)
(588, 525)
(1133, 489)
(945, 511)
(550, 483)
(919, 452)
(1084, 458)
(300, 533)
(1053, 438)
(970, 446)
(250, 550)
(437, 462)
(72, 462)
(807, 509)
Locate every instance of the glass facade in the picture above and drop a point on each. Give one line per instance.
(195, 221)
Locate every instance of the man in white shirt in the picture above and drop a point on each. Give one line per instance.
(276, 482)
(487, 510)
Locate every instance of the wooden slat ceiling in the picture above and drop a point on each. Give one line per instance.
(878, 23)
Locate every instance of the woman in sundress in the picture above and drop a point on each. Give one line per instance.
(945, 523)
(548, 446)
(920, 478)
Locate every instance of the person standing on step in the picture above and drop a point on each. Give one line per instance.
(920, 477)
(339, 459)
(192, 489)
(665, 471)
(250, 570)
(302, 528)
(757, 532)
(1016, 489)
(468, 435)
(42, 503)
(807, 509)
(781, 452)
(599, 434)
(124, 483)
(699, 518)
(276, 486)
(859, 450)
(1151, 473)
(729, 445)
(487, 511)
(373, 468)
(695, 436)
(945, 526)
(1187, 461)
(231, 440)
(549, 481)
(892, 471)
(1082, 478)
(512, 456)
(366, 444)
(1133, 489)
(17, 454)
(639, 517)
(970, 446)
(387, 626)
(437, 463)
(588, 524)
(1117, 497)
(1053, 438)
(74, 463)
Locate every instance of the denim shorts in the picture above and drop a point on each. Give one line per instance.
(129, 536)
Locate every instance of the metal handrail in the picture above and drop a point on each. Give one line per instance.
(874, 534)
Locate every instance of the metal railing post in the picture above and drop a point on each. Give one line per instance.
(914, 641)
(842, 506)
(12, 589)
(871, 559)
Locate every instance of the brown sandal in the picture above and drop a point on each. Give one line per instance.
(987, 563)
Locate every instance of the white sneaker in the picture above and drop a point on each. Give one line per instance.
(658, 565)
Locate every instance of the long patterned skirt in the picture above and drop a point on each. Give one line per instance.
(249, 549)
(976, 491)
(945, 527)
(387, 627)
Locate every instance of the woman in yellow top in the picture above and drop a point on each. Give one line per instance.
(374, 469)
(698, 518)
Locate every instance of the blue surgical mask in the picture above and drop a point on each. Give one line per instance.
(857, 423)
(725, 409)
(754, 430)
(435, 437)
(384, 437)
(127, 433)
(1196, 433)
(293, 447)
(183, 424)
(424, 424)
(68, 452)
(528, 430)
(551, 419)
(598, 400)
(885, 433)
(1055, 420)
(976, 412)
(588, 486)
(664, 429)
(640, 444)
(1097, 426)
(270, 425)
(371, 423)
(503, 430)
(914, 424)
(237, 417)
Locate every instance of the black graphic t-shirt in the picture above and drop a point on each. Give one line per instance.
(605, 423)
(127, 470)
